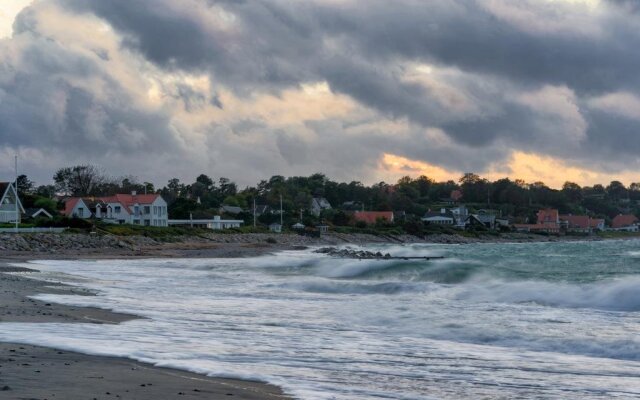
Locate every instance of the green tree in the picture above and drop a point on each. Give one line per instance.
(79, 180)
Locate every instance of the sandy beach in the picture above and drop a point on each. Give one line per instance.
(30, 372)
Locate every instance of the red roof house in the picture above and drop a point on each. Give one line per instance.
(577, 221)
(138, 209)
(624, 221)
(371, 217)
(548, 216)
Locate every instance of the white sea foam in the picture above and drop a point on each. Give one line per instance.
(491, 321)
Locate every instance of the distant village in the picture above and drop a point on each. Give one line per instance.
(276, 206)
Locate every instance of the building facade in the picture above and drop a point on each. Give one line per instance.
(144, 209)
(11, 208)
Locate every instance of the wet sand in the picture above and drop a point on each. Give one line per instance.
(31, 372)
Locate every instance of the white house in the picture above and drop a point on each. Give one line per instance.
(443, 217)
(8, 199)
(460, 216)
(215, 224)
(319, 204)
(275, 227)
(135, 209)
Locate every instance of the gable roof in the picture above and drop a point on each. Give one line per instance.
(34, 212)
(233, 210)
(435, 215)
(262, 209)
(4, 189)
(548, 216)
(577, 221)
(371, 217)
(70, 204)
(127, 201)
(321, 203)
(620, 220)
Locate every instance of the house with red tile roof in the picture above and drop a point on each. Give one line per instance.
(576, 223)
(537, 228)
(136, 209)
(581, 223)
(548, 221)
(626, 222)
(372, 217)
(548, 216)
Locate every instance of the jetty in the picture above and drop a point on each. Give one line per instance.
(369, 255)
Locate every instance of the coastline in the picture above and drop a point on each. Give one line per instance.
(41, 372)
(26, 247)
(36, 372)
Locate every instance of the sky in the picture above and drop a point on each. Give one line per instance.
(542, 90)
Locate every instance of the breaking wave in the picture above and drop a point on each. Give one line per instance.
(613, 295)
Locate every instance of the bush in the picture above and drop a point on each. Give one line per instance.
(64, 222)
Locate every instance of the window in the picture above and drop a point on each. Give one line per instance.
(147, 222)
(80, 212)
(147, 210)
(116, 210)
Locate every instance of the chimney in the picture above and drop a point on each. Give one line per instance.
(134, 193)
(443, 211)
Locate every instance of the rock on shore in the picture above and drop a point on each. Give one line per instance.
(76, 242)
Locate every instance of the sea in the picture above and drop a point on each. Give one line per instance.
(488, 321)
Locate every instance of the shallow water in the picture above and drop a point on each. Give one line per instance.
(544, 320)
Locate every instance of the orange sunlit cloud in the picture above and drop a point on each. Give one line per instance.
(527, 166)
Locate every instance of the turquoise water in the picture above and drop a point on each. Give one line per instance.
(541, 320)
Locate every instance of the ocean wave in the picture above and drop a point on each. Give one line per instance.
(333, 287)
(440, 271)
(613, 295)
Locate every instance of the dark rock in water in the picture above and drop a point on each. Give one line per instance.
(365, 255)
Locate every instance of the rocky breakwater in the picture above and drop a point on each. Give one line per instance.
(67, 242)
(366, 255)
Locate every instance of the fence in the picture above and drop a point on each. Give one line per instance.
(33, 230)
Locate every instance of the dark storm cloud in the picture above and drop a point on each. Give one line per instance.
(365, 51)
(357, 48)
(626, 5)
(41, 105)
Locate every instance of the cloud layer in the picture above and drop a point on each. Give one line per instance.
(246, 89)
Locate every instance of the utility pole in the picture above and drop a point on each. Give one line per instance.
(17, 198)
(254, 212)
(281, 210)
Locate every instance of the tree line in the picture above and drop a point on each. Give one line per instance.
(415, 196)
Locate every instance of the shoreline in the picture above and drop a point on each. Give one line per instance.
(57, 371)
(37, 372)
(25, 247)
